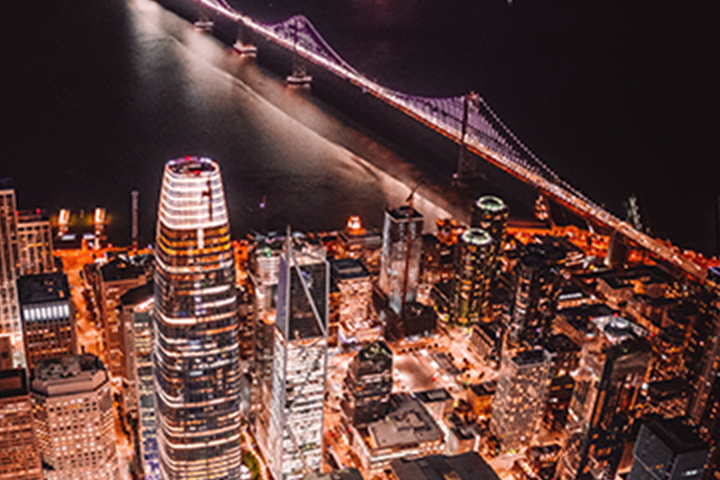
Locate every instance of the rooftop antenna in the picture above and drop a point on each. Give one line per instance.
(134, 209)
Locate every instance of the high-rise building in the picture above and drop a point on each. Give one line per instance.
(400, 268)
(116, 277)
(538, 287)
(368, 385)
(137, 305)
(74, 418)
(491, 214)
(470, 297)
(519, 402)
(294, 442)
(668, 449)
(613, 368)
(20, 458)
(264, 259)
(48, 316)
(9, 266)
(195, 364)
(34, 244)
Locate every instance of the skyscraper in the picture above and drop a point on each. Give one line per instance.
(491, 214)
(294, 442)
(538, 283)
(613, 367)
(74, 418)
(400, 268)
(48, 316)
(668, 449)
(472, 268)
(9, 265)
(519, 401)
(20, 459)
(195, 364)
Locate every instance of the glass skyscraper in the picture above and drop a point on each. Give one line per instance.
(294, 444)
(195, 327)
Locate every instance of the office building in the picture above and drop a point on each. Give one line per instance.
(114, 278)
(491, 214)
(34, 244)
(195, 365)
(368, 385)
(9, 268)
(473, 265)
(536, 294)
(138, 395)
(6, 351)
(400, 256)
(293, 447)
(408, 431)
(519, 401)
(668, 449)
(264, 260)
(48, 316)
(20, 458)
(74, 418)
(613, 368)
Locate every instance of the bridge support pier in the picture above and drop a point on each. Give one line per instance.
(244, 44)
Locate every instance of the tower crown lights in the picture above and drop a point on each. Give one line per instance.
(192, 195)
(490, 203)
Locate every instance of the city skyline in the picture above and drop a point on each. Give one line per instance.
(346, 282)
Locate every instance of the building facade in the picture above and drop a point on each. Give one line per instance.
(294, 442)
(9, 267)
(195, 362)
(20, 459)
(368, 385)
(473, 265)
(400, 256)
(35, 244)
(73, 413)
(519, 401)
(48, 316)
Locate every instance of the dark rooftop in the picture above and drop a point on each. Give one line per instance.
(468, 466)
(560, 343)
(43, 287)
(348, 268)
(529, 357)
(436, 395)
(138, 294)
(13, 383)
(401, 213)
(675, 433)
(123, 269)
(485, 388)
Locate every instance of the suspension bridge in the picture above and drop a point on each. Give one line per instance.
(467, 120)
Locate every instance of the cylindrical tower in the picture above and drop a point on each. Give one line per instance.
(470, 292)
(195, 362)
(490, 213)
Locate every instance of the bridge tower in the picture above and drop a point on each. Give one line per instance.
(299, 76)
(467, 163)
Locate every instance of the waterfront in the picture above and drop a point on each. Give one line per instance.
(96, 100)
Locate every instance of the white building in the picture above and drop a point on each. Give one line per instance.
(74, 418)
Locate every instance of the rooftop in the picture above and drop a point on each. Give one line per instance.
(13, 383)
(490, 203)
(401, 213)
(407, 424)
(68, 374)
(675, 433)
(468, 466)
(43, 288)
(192, 165)
(349, 268)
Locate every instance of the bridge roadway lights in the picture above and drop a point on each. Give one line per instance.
(245, 49)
